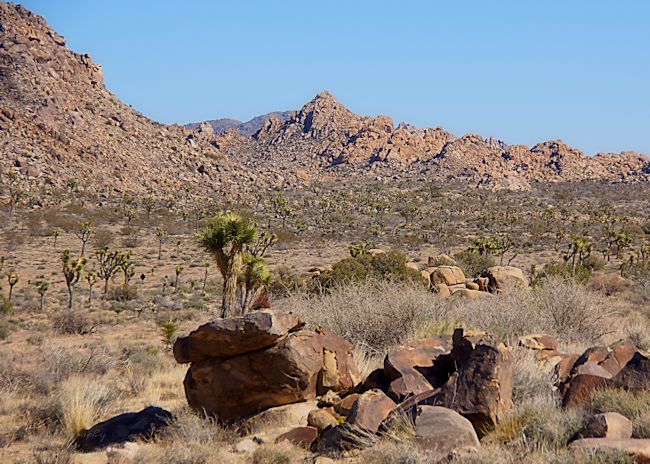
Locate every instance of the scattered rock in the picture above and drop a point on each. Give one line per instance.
(443, 431)
(288, 415)
(417, 367)
(503, 279)
(321, 419)
(370, 410)
(300, 436)
(538, 342)
(638, 448)
(607, 425)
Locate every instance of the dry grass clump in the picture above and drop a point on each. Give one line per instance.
(528, 379)
(537, 425)
(279, 453)
(634, 406)
(81, 402)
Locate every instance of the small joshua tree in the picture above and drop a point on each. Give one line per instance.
(83, 233)
(169, 329)
(55, 233)
(15, 190)
(12, 280)
(148, 204)
(178, 271)
(161, 235)
(225, 236)
(41, 287)
(91, 278)
(72, 271)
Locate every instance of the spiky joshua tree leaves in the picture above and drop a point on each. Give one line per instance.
(224, 237)
(72, 271)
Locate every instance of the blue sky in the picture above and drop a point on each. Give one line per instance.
(523, 71)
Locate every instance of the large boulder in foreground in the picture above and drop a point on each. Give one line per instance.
(300, 365)
(232, 336)
(448, 275)
(126, 427)
(502, 279)
(607, 425)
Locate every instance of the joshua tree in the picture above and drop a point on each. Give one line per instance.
(91, 278)
(126, 265)
(178, 270)
(55, 233)
(12, 280)
(282, 208)
(72, 271)
(41, 287)
(109, 263)
(83, 233)
(161, 234)
(148, 204)
(225, 236)
(579, 250)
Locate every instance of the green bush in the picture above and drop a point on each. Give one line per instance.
(473, 264)
(6, 306)
(563, 270)
(381, 267)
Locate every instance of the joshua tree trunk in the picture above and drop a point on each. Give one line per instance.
(205, 281)
(42, 298)
(229, 306)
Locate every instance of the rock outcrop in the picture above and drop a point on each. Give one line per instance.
(234, 374)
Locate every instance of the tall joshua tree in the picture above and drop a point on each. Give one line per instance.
(225, 236)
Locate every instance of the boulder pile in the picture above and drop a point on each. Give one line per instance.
(248, 366)
(447, 280)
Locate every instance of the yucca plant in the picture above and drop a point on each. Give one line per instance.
(72, 271)
(225, 236)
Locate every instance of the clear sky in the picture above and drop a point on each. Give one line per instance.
(522, 71)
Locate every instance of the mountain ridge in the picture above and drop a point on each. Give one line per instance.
(59, 123)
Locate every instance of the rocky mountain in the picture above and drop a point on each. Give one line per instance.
(58, 122)
(248, 128)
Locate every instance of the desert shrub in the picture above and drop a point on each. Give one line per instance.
(102, 239)
(123, 293)
(563, 271)
(375, 314)
(473, 264)
(71, 322)
(608, 284)
(636, 270)
(63, 363)
(284, 282)
(381, 267)
(52, 453)
(634, 406)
